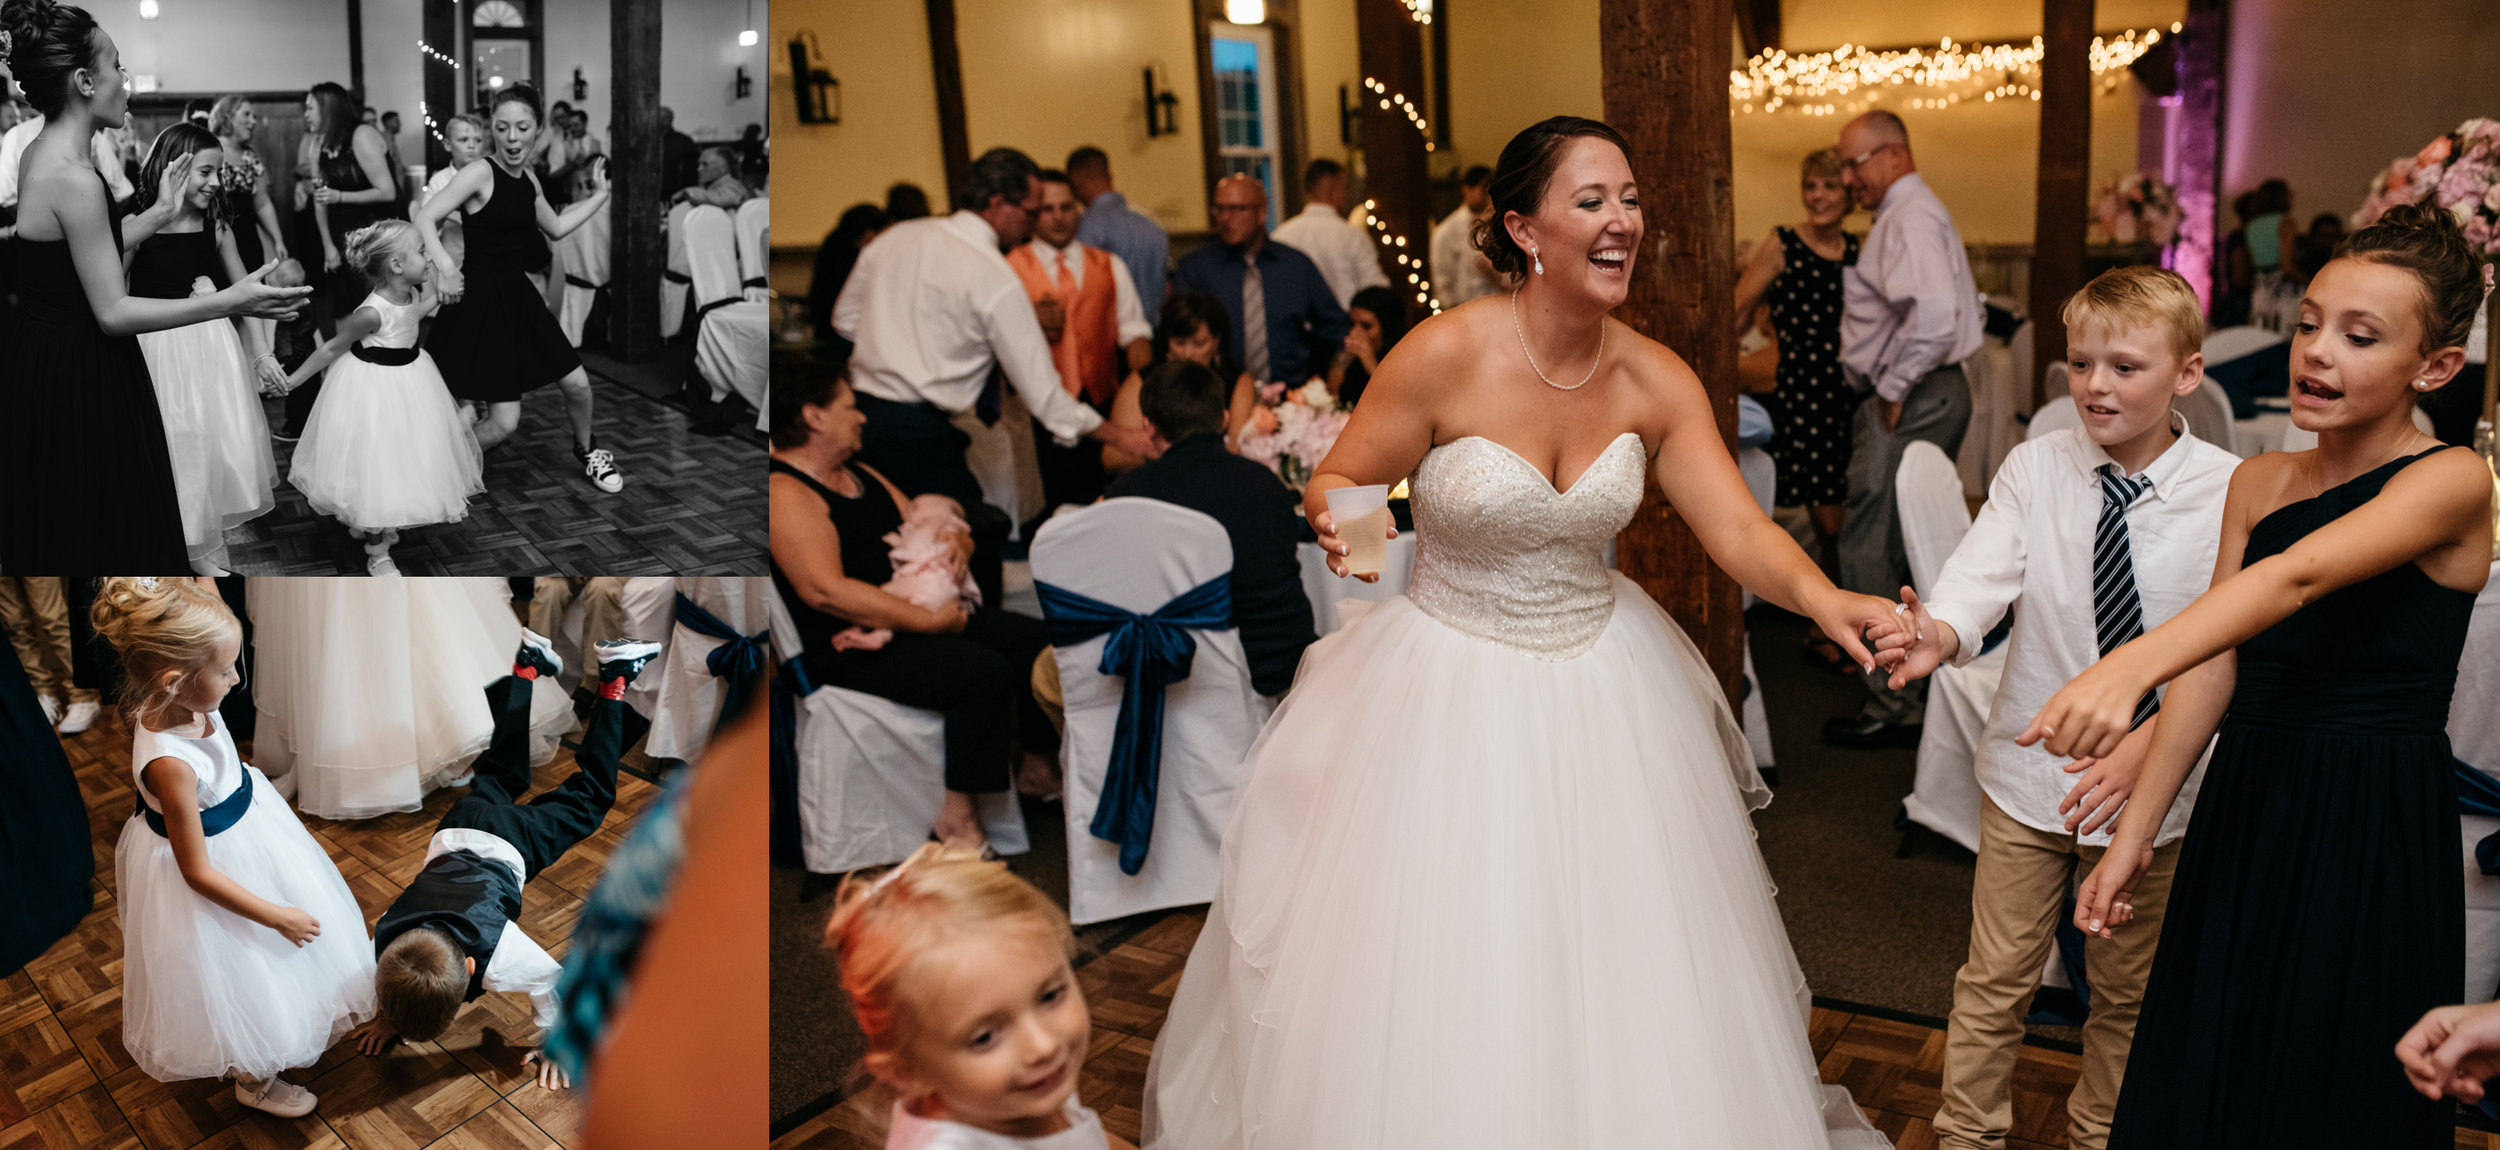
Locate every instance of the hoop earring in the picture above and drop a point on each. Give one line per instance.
(1540, 261)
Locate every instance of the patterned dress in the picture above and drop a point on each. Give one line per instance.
(1813, 404)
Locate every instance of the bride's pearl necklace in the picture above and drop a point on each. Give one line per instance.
(1540, 372)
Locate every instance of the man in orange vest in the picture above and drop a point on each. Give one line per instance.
(1088, 306)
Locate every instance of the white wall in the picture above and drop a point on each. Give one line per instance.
(233, 45)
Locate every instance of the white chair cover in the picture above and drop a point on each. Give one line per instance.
(1137, 554)
(1933, 513)
(2208, 412)
(686, 696)
(872, 775)
(1945, 795)
(583, 258)
(732, 344)
(755, 261)
(2000, 393)
(2059, 413)
(2474, 734)
(679, 277)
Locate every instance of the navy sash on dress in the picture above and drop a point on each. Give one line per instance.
(1151, 652)
(737, 661)
(385, 356)
(212, 819)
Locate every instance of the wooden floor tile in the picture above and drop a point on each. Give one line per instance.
(1114, 1082)
(1130, 989)
(95, 1024)
(402, 1100)
(177, 1115)
(41, 1064)
(498, 1127)
(87, 1120)
(258, 1131)
(83, 965)
(558, 1112)
(20, 1002)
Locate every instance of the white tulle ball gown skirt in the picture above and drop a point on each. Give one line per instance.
(371, 691)
(214, 429)
(207, 992)
(386, 447)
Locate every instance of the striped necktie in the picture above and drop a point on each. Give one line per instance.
(2117, 614)
(1253, 322)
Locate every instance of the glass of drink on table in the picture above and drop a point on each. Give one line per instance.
(1362, 518)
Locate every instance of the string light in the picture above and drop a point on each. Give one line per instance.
(1398, 100)
(1416, 278)
(1420, 11)
(428, 49)
(1851, 78)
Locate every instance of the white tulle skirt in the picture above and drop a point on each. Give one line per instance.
(207, 992)
(1471, 898)
(370, 690)
(214, 429)
(386, 447)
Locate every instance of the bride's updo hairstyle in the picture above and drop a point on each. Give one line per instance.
(48, 41)
(1527, 165)
(884, 925)
(2427, 242)
(166, 631)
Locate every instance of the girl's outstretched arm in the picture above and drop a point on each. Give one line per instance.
(362, 322)
(596, 200)
(177, 791)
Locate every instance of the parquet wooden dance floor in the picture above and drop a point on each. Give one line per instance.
(67, 1084)
(692, 504)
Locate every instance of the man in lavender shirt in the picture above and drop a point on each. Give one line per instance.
(1910, 316)
(1113, 226)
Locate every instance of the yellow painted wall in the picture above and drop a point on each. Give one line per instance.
(1513, 63)
(879, 50)
(1331, 56)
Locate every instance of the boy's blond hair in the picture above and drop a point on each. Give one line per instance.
(882, 925)
(2124, 299)
(419, 983)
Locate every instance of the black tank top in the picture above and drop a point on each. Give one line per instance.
(167, 262)
(504, 234)
(862, 521)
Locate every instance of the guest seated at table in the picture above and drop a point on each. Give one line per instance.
(716, 181)
(1193, 329)
(1184, 403)
(1379, 318)
(830, 516)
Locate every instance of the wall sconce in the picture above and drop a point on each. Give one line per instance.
(581, 87)
(1348, 113)
(1163, 109)
(746, 85)
(1246, 11)
(818, 94)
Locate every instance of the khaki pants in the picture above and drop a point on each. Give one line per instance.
(1046, 689)
(37, 618)
(603, 614)
(2017, 898)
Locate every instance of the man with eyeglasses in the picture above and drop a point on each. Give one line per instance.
(1910, 316)
(1286, 322)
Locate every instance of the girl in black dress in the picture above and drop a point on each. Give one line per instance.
(2317, 909)
(495, 338)
(82, 442)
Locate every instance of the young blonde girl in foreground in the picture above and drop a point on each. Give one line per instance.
(958, 972)
(243, 952)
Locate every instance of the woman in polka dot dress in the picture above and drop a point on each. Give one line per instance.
(1797, 271)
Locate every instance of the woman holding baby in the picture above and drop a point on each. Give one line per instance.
(851, 560)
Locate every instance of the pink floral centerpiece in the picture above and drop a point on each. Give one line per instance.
(2459, 171)
(1292, 429)
(2139, 208)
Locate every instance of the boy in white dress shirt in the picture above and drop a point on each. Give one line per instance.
(2100, 533)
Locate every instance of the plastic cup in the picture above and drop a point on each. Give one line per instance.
(1362, 518)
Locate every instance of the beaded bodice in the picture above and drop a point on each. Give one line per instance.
(1501, 555)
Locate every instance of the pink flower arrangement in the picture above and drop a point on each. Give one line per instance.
(2459, 171)
(2139, 207)
(1292, 430)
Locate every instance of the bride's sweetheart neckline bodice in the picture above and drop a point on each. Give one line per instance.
(1504, 555)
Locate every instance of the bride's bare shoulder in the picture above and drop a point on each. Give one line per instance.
(1655, 365)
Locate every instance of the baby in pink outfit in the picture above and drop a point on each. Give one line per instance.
(927, 571)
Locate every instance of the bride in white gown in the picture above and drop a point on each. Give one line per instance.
(1491, 882)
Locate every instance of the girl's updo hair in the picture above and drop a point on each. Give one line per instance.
(524, 94)
(1519, 180)
(370, 245)
(882, 924)
(48, 40)
(160, 625)
(2427, 242)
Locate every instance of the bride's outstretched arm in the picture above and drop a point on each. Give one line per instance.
(1700, 479)
(1387, 436)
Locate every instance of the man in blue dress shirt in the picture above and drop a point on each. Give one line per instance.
(1294, 323)
(1109, 224)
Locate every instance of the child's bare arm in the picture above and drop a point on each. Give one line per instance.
(362, 322)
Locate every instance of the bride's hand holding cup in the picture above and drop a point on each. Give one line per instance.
(1354, 530)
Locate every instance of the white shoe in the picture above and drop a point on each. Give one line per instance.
(52, 705)
(276, 1096)
(80, 716)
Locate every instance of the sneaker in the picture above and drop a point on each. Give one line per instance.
(52, 705)
(622, 659)
(600, 465)
(287, 434)
(80, 716)
(276, 1096)
(537, 658)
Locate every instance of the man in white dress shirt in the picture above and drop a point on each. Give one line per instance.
(932, 308)
(1910, 316)
(1459, 271)
(105, 146)
(1348, 259)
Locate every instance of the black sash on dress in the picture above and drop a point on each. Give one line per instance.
(212, 819)
(385, 356)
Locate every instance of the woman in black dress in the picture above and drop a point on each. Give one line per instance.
(43, 828)
(2317, 910)
(495, 339)
(82, 442)
(1797, 271)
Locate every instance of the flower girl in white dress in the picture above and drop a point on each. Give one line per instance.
(385, 447)
(244, 954)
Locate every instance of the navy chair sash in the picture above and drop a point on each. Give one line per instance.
(385, 356)
(212, 819)
(738, 661)
(1150, 652)
(788, 837)
(2478, 794)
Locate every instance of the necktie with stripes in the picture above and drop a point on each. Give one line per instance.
(2117, 614)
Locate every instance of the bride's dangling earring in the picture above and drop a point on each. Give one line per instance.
(1540, 261)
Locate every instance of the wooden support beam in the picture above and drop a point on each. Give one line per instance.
(1396, 180)
(946, 61)
(441, 23)
(1664, 77)
(2197, 148)
(2064, 188)
(635, 206)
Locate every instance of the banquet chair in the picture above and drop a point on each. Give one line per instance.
(687, 694)
(2474, 736)
(583, 260)
(755, 260)
(2208, 412)
(2059, 413)
(677, 276)
(1138, 556)
(730, 347)
(1944, 797)
(871, 771)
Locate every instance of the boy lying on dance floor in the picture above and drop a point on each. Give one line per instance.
(455, 932)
